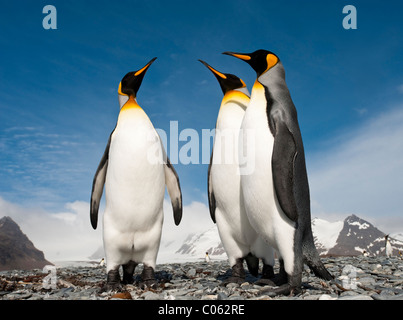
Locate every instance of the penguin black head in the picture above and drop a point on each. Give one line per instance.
(131, 82)
(260, 60)
(227, 81)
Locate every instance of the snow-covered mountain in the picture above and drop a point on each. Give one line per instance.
(351, 237)
(193, 248)
(341, 238)
(16, 250)
(199, 244)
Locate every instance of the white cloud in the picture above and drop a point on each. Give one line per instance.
(61, 236)
(195, 219)
(361, 171)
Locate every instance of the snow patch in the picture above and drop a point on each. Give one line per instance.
(397, 236)
(360, 225)
(327, 232)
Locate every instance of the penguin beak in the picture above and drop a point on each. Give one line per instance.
(227, 81)
(221, 77)
(214, 71)
(242, 56)
(144, 69)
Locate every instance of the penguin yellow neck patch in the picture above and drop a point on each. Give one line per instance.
(130, 104)
(235, 95)
(258, 86)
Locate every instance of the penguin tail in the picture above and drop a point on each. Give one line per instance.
(312, 259)
(253, 264)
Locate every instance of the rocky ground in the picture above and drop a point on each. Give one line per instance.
(358, 278)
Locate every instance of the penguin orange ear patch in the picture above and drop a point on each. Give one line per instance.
(271, 61)
(120, 90)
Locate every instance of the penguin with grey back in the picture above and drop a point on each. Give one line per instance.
(134, 170)
(240, 240)
(276, 192)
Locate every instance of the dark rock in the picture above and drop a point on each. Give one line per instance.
(16, 250)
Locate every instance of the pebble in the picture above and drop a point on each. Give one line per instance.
(356, 297)
(149, 295)
(357, 278)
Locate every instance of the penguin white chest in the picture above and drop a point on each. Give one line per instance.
(261, 202)
(134, 186)
(388, 249)
(232, 223)
(225, 169)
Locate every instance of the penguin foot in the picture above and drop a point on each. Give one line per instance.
(291, 286)
(112, 281)
(265, 282)
(111, 287)
(148, 278)
(268, 278)
(232, 279)
(238, 273)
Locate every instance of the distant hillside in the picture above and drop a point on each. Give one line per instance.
(351, 237)
(16, 250)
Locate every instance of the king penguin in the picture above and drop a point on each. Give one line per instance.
(207, 257)
(240, 240)
(134, 170)
(276, 192)
(388, 247)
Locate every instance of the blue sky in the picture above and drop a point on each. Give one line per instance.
(58, 99)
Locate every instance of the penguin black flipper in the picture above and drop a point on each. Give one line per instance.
(174, 190)
(98, 185)
(283, 159)
(285, 172)
(211, 197)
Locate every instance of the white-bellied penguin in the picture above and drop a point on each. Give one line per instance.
(134, 170)
(276, 192)
(388, 247)
(240, 240)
